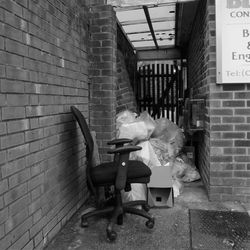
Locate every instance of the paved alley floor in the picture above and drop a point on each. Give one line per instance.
(171, 230)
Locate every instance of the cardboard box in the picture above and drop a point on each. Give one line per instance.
(160, 197)
(160, 190)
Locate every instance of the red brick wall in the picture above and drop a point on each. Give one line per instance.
(125, 96)
(126, 73)
(43, 71)
(103, 79)
(224, 150)
(199, 80)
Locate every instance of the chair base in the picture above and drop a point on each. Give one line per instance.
(117, 212)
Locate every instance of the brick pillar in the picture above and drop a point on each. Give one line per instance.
(102, 72)
(224, 148)
(229, 133)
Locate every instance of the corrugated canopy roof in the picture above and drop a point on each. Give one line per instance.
(135, 24)
(148, 24)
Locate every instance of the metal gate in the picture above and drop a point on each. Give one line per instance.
(159, 89)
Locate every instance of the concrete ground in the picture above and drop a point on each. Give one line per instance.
(171, 230)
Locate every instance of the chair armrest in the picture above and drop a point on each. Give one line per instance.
(125, 149)
(121, 161)
(119, 142)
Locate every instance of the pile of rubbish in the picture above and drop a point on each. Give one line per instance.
(162, 142)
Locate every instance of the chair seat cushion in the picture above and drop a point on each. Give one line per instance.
(105, 173)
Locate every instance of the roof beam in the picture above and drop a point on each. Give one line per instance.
(158, 20)
(135, 4)
(161, 54)
(128, 3)
(145, 32)
(145, 8)
(148, 39)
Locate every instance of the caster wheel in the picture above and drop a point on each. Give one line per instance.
(146, 207)
(111, 236)
(150, 223)
(120, 219)
(84, 223)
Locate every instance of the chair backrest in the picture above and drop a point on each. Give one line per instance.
(85, 130)
(89, 143)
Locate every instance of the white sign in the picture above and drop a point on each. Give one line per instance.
(233, 41)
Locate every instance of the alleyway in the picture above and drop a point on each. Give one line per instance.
(171, 231)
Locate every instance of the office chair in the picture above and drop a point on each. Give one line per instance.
(119, 174)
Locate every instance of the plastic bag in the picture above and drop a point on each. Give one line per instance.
(191, 172)
(170, 133)
(163, 150)
(178, 168)
(164, 127)
(149, 122)
(184, 169)
(191, 175)
(139, 129)
(177, 187)
(178, 171)
(135, 130)
(146, 155)
(138, 192)
(125, 116)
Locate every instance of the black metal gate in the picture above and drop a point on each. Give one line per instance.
(159, 89)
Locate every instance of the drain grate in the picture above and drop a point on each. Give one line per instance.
(219, 230)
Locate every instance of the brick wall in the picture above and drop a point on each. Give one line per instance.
(125, 96)
(43, 71)
(198, 80)
(224, 149)
(126, 73)
(103, 78)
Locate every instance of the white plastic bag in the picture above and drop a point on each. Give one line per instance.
(137, 129)
(149, 122)
(134, 130)
(125, 116)
(146, 155)
(178, 171)
(191, 172)
(138, 192)
(177, 187)
(163, 150)
(170, 133)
